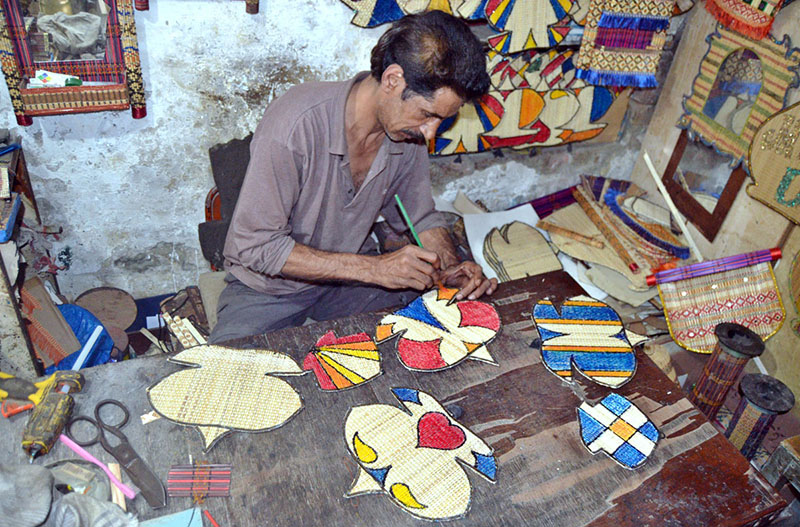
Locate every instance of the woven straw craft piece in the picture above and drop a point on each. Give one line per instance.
(622, 42)
(749, 17)
(227, 390)
(586, 335)
(517, 250)
(526, 24)
(517, 24)
(741, 83)
(748, 296)
(775, 163)
(412, 455)
(794, 282)
(538, 70)
(438, 333)
(343, 362)
(523, 118)
(572, 217)
(618, 428)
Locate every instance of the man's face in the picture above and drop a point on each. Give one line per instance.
(416, 118)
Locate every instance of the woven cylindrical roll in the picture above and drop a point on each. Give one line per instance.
(735, 346)
(763, 398)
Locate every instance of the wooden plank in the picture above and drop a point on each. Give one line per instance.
(298, 474)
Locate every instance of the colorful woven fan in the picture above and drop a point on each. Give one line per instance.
(740, 289)
(622, 42)
(775, 163)
(749, 17)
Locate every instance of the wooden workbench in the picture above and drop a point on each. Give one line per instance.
(298, 474)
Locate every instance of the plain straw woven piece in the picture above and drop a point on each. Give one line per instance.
(588, 336)
(517, 250)
(412, 455)
(228, 390)
(573, 218)
(438, 332)
(695, 306)
(775, 163)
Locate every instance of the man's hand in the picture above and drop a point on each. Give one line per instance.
(468, 277)
(410, 267)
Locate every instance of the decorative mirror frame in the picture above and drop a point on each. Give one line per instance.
(120, 67)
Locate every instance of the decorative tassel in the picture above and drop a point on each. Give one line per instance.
(622, 21)
(737, 24)
(614, 78)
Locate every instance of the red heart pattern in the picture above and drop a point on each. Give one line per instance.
(435, 431)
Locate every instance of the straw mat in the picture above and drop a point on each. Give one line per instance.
(343, 362)
(227, 390)
(748, 296)
(413, 455)
(741, 83)
(775, 163)
(588, 336)
(517, 250)
(618, 428)
(438, 333)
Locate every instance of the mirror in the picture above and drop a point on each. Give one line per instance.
(60, 30)
(735, 90)
(93, 40)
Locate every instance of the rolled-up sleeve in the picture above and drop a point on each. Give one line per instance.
(413, 187)
(259, 237)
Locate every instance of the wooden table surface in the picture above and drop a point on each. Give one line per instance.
(299, 473)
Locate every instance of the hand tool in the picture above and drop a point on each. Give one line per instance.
(142, 476)
(52, 411)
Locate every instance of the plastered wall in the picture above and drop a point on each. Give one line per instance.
(129, 193)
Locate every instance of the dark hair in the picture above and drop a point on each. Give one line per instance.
(435, 50)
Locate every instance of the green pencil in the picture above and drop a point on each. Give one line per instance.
(408, 221)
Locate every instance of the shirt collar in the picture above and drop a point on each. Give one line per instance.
(338, 141)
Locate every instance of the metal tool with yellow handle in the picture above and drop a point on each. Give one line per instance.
(53, 406)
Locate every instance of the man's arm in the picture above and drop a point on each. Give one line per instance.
(467, 276)
(410, 267)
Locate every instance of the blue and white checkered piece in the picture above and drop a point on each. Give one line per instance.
(616, 426)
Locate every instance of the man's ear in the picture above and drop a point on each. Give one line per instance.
(392, 80)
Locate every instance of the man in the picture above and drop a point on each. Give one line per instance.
(326, 161)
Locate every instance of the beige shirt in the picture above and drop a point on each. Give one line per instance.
(298, 188)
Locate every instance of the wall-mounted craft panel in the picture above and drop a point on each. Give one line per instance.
(92, 40)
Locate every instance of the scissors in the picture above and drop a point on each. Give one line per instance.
(150, 486)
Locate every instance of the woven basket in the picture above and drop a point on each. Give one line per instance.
(74, 99)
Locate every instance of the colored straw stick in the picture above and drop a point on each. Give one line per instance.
(583, 201)
(728, 263)
(555, 229)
